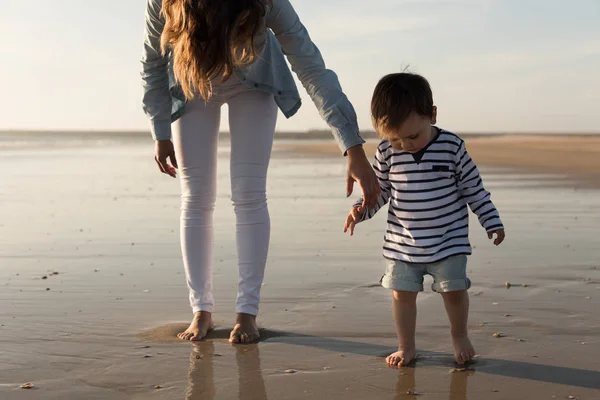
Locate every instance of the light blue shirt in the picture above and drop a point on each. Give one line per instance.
(164, 102)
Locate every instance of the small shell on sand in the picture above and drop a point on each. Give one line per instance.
(524, 285)
(460, 369)
(411, 392)
(27, 385)
(520, 340)
(499, 335)
(572, 397)
(157, 387)
(507, 284)
(290, 371)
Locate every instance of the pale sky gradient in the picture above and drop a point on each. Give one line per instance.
(494, 65)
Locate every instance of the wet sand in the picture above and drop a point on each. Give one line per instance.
(557, 154)
(106, 221)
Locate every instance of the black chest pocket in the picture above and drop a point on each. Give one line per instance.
(443, 171)
(440, 168)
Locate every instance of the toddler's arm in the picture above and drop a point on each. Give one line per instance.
(471, 189)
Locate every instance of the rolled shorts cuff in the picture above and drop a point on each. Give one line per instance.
(451, 286)
(389, 282)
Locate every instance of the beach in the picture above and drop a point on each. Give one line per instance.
(93, 290)
(576, 155)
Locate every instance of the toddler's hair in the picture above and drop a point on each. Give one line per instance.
(395, 97)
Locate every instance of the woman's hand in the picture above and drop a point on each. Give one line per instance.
(361, 171)
(164, 150)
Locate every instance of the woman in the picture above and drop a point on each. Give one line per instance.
(199, 55)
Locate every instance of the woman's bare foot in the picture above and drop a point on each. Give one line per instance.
(401, 358)
(245, 330)
(201, 325)
(463, 349)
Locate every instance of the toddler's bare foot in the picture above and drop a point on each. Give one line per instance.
(200, 327)
(401, 358)
(463, 349)
(245, 330)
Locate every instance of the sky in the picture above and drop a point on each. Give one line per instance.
(494, 65)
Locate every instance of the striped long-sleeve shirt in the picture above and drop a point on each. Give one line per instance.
(428, 192)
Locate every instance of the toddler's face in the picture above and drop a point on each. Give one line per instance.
(414, 134)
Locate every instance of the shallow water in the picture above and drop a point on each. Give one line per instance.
(105, 219)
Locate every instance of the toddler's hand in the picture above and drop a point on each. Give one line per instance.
(353, 218)
(499, 236)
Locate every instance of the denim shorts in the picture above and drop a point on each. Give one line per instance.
(449, 275)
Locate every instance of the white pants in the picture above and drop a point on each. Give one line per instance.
(252, 118)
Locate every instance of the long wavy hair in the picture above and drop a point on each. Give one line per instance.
(208, 38)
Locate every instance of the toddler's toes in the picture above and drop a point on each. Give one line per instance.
(392, 360)
(401, 358)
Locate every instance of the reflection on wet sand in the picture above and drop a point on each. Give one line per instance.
(406, 386)
(251, 382)
(201, 379)
(201, 384)
(458, 385)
